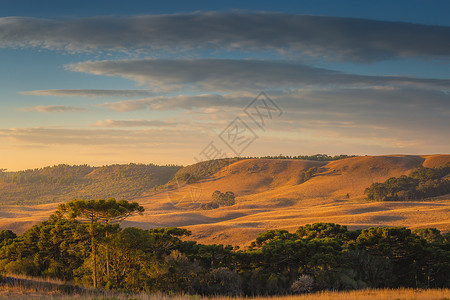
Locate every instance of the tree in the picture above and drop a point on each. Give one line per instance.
(6, 236)
(229, 198)
(399, 246)
(99, 215)
(216, 196)
(323, 230)
(431, 235)
(310, 173)
(226, 198)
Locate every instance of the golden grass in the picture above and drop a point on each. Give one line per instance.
(26, 287)
(18, 292)
(269, 195)
(376, 294)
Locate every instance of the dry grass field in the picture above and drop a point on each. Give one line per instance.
(270, 193)
(23, 292)
(35, 288)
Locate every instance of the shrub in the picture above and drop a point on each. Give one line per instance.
(304, 284)
(222, 281)
(219, 199)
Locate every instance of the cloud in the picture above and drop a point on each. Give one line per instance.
(349, 120)
(401, 112)
(53, 108)
(187, 102)
(90, 93)
(334, 38)
(134, 123)
(101, 137)
(231, 74)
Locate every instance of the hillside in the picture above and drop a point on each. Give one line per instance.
(273, 194)
(276, 193)
(63, 182)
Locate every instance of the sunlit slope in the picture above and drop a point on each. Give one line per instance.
(349, 176)
(264, 180)
(273, 193)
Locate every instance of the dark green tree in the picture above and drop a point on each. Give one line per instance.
(99, 214)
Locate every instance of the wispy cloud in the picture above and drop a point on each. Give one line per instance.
(318, 36)
(89, 93)
(96, 137)
(134, 123)
(188, 102)
(356, 111)
(231, 74)
(53, 108)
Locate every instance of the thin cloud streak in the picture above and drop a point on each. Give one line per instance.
(187, 102)
(334, 38)
(363, 110)
(134, 123)
(231, 74)
(100, 137)
(53, 109)
(90, 93)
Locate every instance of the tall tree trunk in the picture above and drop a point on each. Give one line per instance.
(107, 255)
(94, 256)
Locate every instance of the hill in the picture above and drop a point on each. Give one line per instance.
(274, 193)
(64, 182)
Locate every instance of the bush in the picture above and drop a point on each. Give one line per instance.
(219, 199)
(304, 284)
(223, 281)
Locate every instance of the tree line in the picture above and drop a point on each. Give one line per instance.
(54, 184)
(83, 242)
(421, 183)
(315, 157)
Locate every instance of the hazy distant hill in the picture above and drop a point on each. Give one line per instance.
(64, 182)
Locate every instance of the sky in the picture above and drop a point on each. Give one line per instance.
(175, 82)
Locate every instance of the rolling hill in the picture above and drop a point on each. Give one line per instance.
(63, 182)
(275, 193)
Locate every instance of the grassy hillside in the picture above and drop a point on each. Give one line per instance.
(64, 182)
(271, 193)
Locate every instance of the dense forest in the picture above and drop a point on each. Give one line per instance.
(421, 183)
(83, 242)
(62, 182)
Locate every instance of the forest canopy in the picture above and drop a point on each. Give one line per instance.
(316, 257)
(62, 182)
(421, 183)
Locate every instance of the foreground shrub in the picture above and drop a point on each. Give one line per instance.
(222, 281)
(304, 284)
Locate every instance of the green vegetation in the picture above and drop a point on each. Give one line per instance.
(63, 182)
(310, 173)
(100, 215)
(200, 170)
(321, 256)
(421, 183)
(219, 199)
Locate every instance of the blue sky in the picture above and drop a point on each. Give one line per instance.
(103, 82)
